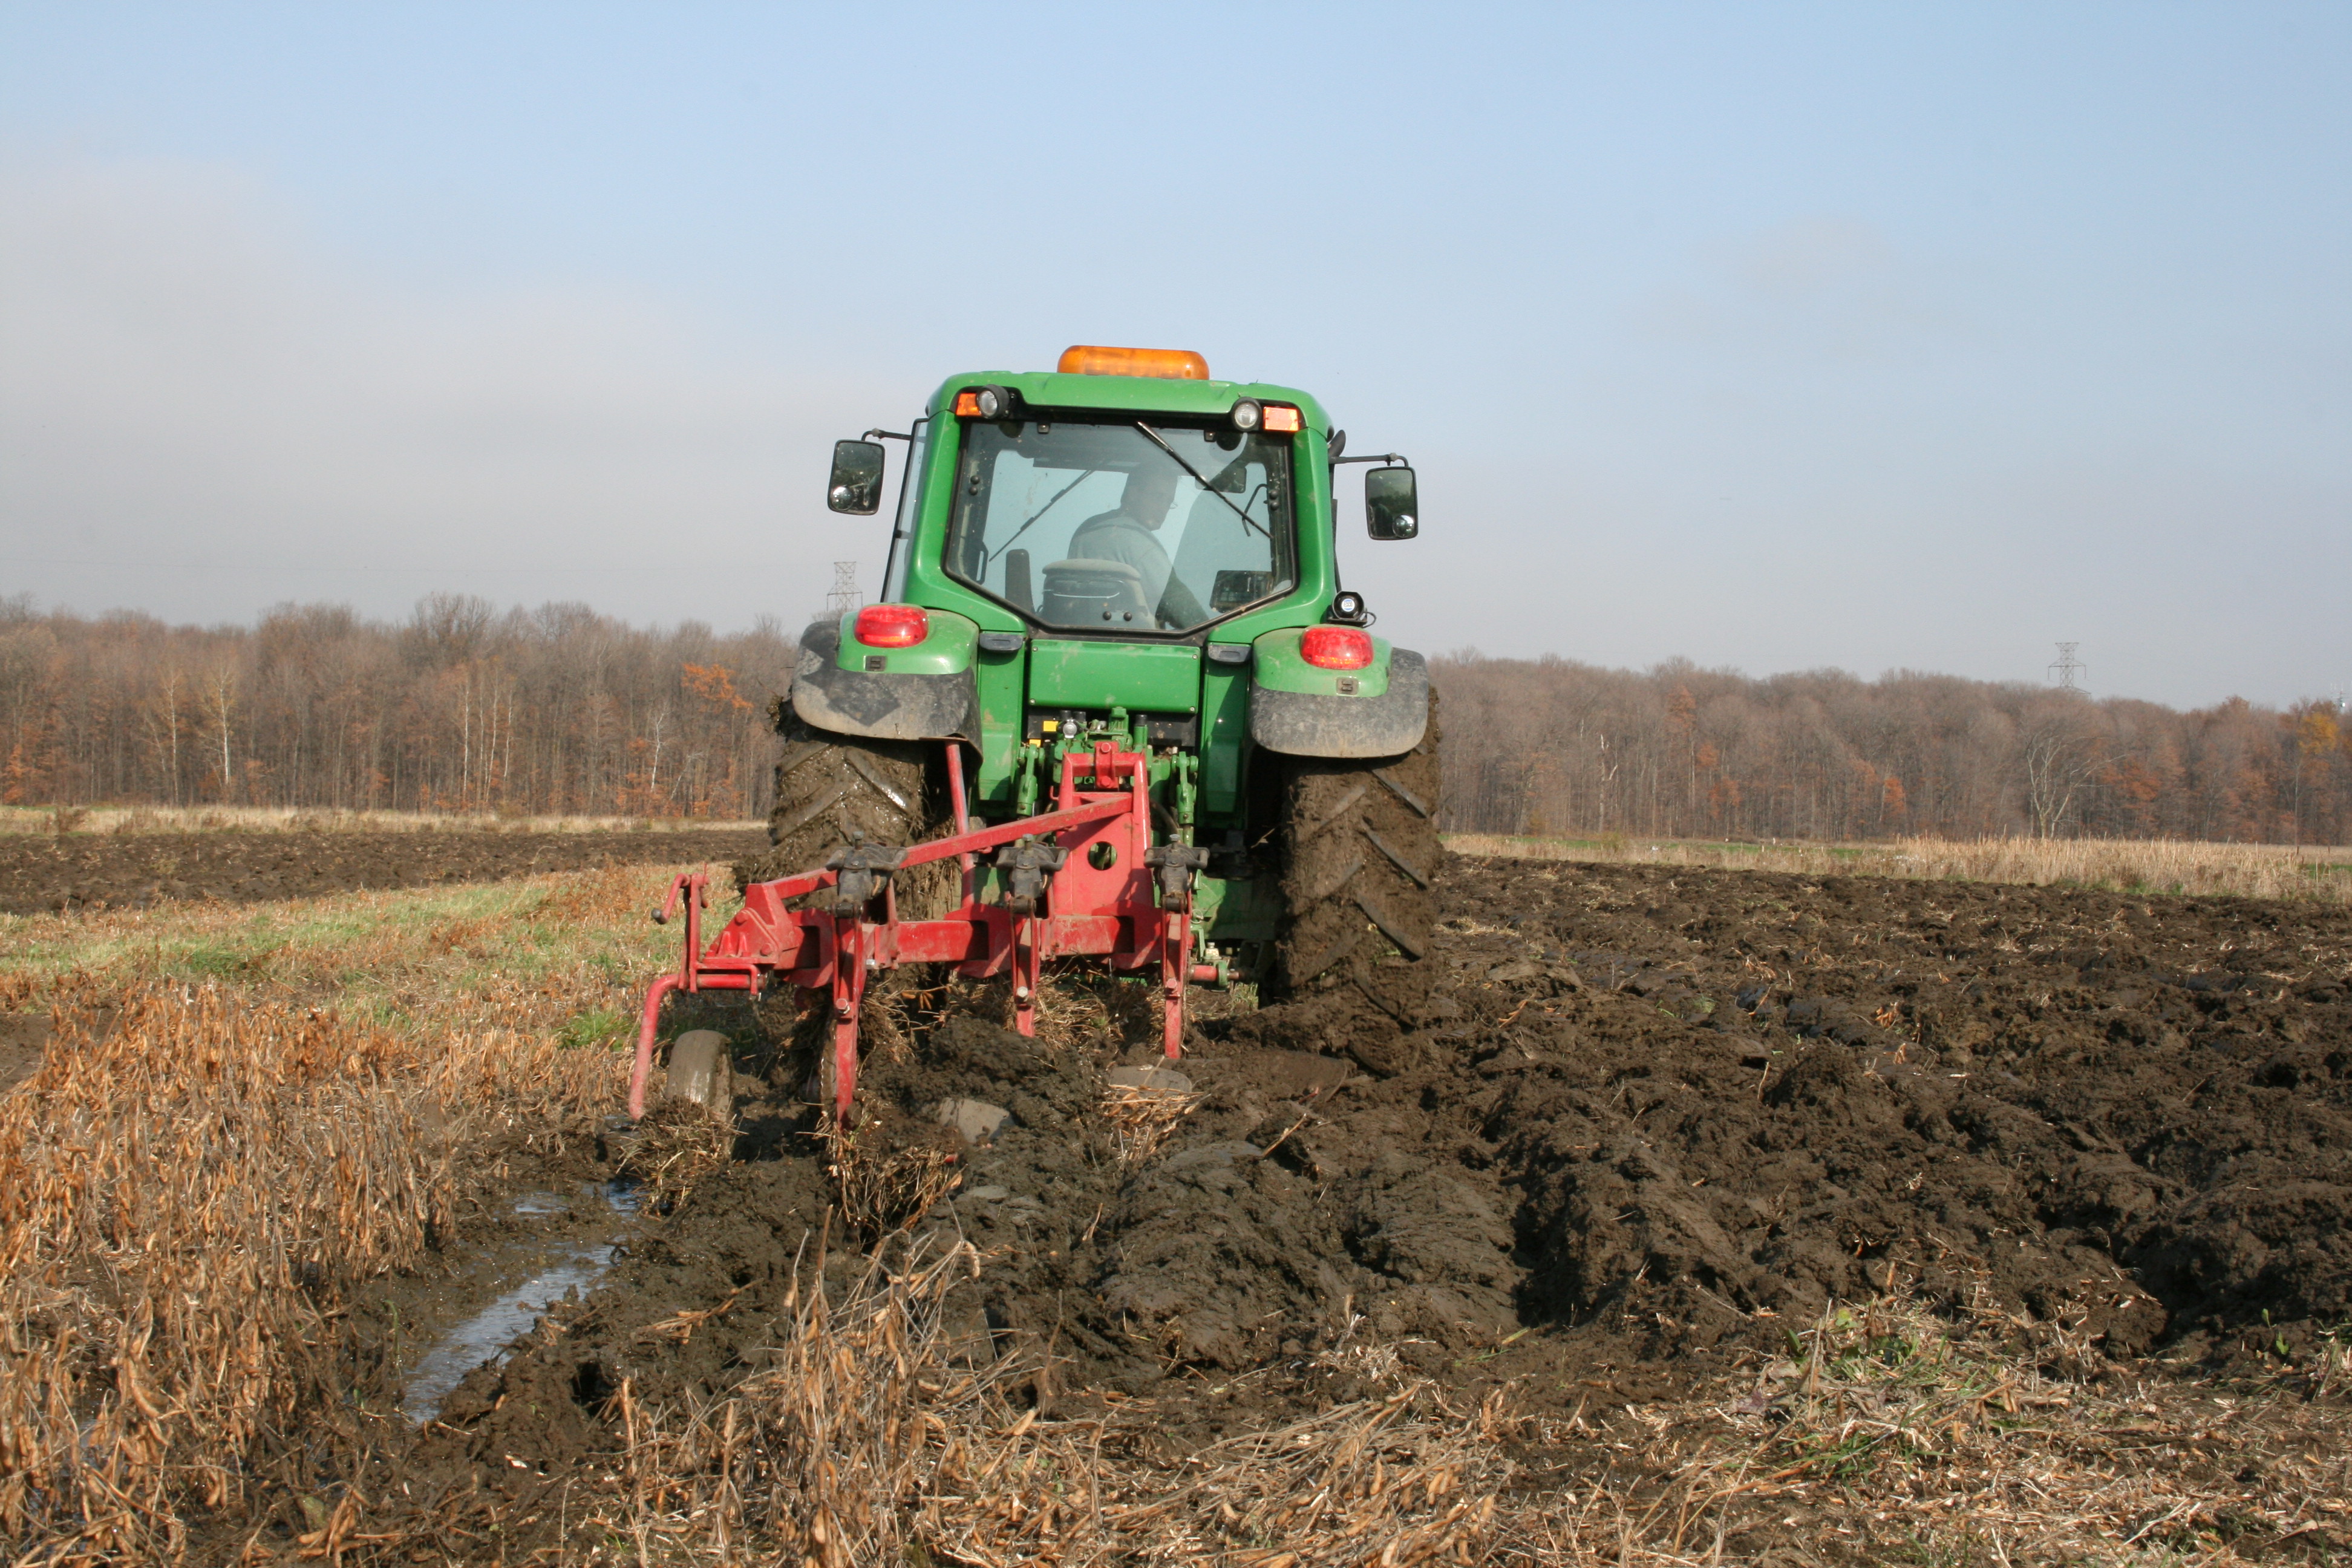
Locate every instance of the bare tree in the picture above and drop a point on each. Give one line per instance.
(220, 703)
(462, 706)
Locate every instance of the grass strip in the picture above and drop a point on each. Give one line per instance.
(2146, 867)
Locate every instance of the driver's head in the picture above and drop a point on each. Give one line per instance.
(1150, 493)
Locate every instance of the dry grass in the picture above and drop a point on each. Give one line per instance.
(888, 1178)
(131, 819)
(1892, 1433)
(242, 1113)
(677, 1145)
(188, 1186)
(887, 1431)
(1142, 1118)
(2122, 865)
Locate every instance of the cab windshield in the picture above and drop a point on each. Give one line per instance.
(1130, 526)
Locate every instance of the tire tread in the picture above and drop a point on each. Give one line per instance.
(1358, 863)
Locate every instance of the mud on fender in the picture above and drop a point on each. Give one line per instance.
(1315, 724)
(880, 706)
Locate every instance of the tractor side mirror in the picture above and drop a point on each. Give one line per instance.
(1392, 504)
(857, 482)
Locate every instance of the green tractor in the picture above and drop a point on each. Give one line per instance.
(1113, 705)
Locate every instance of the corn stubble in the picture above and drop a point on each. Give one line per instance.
(886, 1430)
(679, 1144)
(189, 1186)
(1142, 1118)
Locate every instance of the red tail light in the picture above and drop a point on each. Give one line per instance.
(1335, 647)
(897, 626)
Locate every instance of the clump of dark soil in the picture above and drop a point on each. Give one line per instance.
(1641, 1117)
(76, 872)
(1733, 1093)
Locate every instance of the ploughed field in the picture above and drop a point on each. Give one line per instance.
(1662, 1102)
(1680, 1212)
(45, 873)
(1651, 1134)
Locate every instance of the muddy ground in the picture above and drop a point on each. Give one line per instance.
(23, 1037)
(1643, 1121)
(46, 874)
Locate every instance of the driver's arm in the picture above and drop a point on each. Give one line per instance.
(1179, 610)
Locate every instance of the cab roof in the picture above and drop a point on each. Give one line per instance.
(1136, 394)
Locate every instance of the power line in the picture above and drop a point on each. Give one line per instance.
(2067, 669)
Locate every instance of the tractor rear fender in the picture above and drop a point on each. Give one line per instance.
(1301, 710)
(922, 692)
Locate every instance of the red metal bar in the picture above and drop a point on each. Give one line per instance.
(794, 885)
(644, 1065)
(1005, 833)
(1028, 968)
(962, 816)
(948, 941)
(848, 1001)
(1174, 953)
(668, 911)
(1100, 904)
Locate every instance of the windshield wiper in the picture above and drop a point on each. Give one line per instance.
(1247, 521)
(1040, 511)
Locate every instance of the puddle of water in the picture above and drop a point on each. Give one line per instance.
(484, 1336)
(488, 1333)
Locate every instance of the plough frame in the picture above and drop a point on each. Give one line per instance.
(1081, 881)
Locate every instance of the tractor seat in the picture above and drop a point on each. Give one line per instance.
(1087, 593)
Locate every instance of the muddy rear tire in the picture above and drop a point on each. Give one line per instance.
(1359, 851)
(831, 789)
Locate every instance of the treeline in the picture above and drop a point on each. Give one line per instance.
(460, 707)
(1551, 746)
(464, 707)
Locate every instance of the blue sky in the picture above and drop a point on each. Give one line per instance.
(1772, 337)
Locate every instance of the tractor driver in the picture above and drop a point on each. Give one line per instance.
(1127, 536)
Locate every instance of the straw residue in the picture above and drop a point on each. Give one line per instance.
(188, 1185)
(883, 1432)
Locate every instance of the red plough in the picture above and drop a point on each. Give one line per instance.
(1078, 880)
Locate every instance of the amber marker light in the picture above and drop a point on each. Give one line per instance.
(892, 626)
(983, 403)
(1281, 418)
(1167, 365)
(1335, 647)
